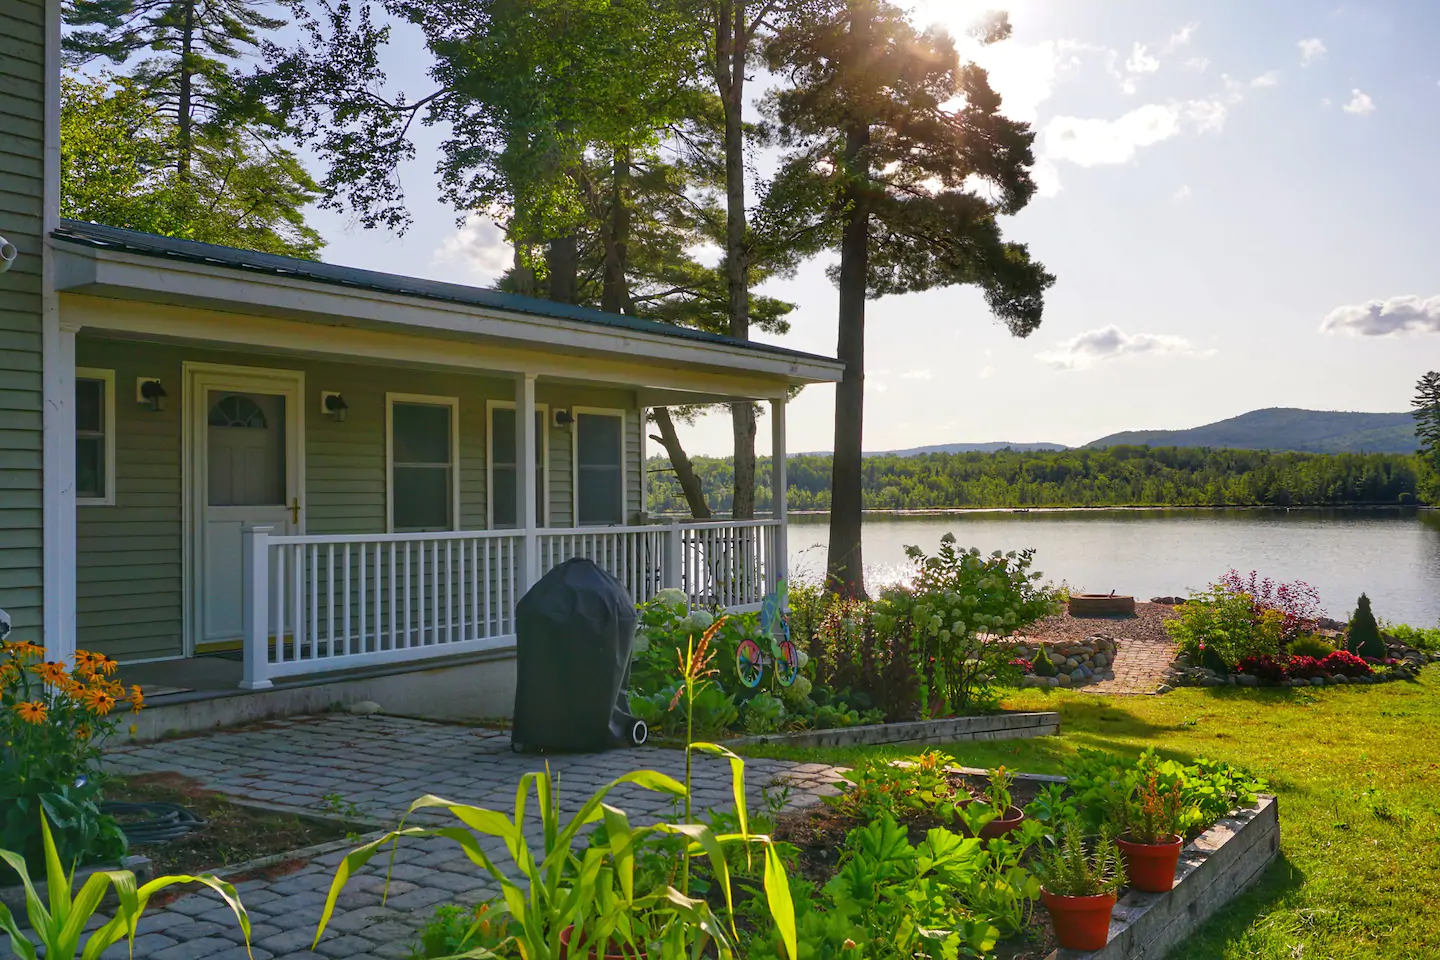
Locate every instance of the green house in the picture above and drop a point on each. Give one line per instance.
(240, 474)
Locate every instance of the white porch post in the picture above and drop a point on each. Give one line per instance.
(673, 573)
(525, 514)
(779, 486)
(255, 584)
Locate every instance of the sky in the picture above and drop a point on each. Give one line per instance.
(1239, 201)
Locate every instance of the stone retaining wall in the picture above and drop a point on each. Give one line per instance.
(995, 726)
(1077, 662)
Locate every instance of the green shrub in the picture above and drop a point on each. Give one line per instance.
(1421, 638)
(764, 714)
(1363, 636)
(1310, 645)
(1219, 627)
(1042, 665)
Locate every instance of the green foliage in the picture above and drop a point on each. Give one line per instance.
(918, 785)
(1115, 476)
(954, 613)
(1427, 430)
(454, 930)
(1071, 870)
(764, 714)
(1311, 645)
(58, 929)
(1421, 638)
(1155, 812)
(1042, 665)
(1362, 637)
(1106, 786)
(1219, 628)
(118, 161)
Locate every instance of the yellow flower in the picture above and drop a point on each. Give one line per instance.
(105, 665)
(52, 672)
(32, 711)
(82, 732)
(99, 700)
(137, 699)
(23, 648)
(84, 663)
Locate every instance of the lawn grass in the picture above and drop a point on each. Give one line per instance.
(1357, 773)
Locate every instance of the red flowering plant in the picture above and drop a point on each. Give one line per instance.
(1304, 668)
(1266, 667)
(1298, 603)
(1345, 662)
(1023, 665)
(52, 717)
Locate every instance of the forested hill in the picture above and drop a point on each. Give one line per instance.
(1286, 428)
(1115, 476)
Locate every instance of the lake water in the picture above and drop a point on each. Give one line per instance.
(1394, 556)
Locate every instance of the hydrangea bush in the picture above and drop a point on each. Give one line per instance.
(955, 612)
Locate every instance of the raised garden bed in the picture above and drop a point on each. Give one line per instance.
(995, 726)
(1100, 605)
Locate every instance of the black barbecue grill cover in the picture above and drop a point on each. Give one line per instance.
(575, 635)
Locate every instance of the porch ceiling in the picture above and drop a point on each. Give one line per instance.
(301, 308)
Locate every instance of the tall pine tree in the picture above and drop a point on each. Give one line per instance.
(887, 133)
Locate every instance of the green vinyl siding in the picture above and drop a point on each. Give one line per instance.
(22, 191)
(130, 579)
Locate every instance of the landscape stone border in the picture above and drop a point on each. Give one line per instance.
(994, 726)
(1215, 868)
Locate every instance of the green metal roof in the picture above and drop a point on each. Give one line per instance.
(102, 237)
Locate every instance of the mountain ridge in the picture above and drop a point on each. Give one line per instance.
(1285, 429)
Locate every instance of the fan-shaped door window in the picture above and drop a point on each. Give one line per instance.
(246, 462)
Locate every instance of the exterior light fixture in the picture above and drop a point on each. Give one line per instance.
(8, 254)
(332, 404)
(563, 418)
(149, 391)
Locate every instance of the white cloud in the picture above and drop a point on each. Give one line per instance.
(480, 247)
(1180, 37)
(917, 375)
(1207, 116)
(1026, 75)
(1112, 343)
(1197, 64)
(1270, 78)
(1360, 103)
(1090, 142)
(1183, 193)
(986, 372)
(1311, 49)
(1046, 176)
(1395, 317)
(1140, 61)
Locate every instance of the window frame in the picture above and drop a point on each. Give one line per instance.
(107, 377)
(624, 417)
(543, 440)
(420, 399)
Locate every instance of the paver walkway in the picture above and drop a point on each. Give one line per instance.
(381, 764)
(1139, 667)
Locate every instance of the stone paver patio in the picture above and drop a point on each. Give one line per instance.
(1139, 667)
(381, 764)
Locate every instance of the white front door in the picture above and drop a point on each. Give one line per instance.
(246, 430)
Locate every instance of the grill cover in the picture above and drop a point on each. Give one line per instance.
(575, 636)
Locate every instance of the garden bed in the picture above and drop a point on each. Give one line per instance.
(995, 726)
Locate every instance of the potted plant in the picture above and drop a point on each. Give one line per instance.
(1151, 843)
(1080, 887)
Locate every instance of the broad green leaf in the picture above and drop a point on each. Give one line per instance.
(56, 879)
(737, 779)
(19, 946)
(782, 907)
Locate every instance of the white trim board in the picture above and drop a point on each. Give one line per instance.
(196, 380)
(423, 400)
(623, 416)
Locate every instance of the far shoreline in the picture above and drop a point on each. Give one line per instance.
(959, 511)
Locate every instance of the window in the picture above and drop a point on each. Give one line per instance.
(599, 466)
(424, 465)
(502, 464)
(94, 437)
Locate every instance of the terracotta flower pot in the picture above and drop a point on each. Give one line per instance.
(1008, 823)
(1081, 923)
(591, 954)
(1151, 866)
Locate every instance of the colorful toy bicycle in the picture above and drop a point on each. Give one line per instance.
(750, 660)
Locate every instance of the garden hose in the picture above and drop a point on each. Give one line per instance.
(164, 821)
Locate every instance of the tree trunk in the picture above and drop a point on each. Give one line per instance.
(185, 92)
(732, 42)
(845, 568)
(615, 294)
(524, 275)
(684, 470)
(562, 260)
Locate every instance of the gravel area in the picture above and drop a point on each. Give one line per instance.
(1148, 623)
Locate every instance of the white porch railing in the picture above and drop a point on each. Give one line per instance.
(319, 604)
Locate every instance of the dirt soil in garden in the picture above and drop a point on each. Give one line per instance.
(819, 833)
(1147, 623)
(233, 833)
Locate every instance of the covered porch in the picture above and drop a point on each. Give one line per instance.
(290, 472)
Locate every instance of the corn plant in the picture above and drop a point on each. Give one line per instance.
(592, 891)
(60, 927)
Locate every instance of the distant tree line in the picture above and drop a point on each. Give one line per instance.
(1116, 476)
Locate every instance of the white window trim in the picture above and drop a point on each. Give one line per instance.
(454, 404)
(624, 418)
(543, 440)
(108, 377)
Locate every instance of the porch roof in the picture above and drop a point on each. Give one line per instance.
(126, 264)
